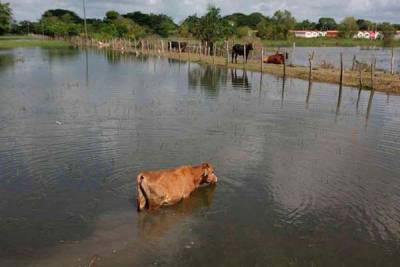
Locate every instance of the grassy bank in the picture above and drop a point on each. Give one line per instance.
(7, 42)
(326, 42)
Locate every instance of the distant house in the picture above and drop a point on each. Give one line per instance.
(314, 34)
(370, 35)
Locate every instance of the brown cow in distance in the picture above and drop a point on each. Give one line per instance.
(168, 187)
(275, 59)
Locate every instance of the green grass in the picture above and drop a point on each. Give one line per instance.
(12, 41)
(329, 42)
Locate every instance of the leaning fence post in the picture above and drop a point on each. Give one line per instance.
(262, 58)
(373, 73)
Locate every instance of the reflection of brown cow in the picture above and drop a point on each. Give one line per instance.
(167, 187)
(275, 59)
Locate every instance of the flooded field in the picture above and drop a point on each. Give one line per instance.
(304, 179)
(331, 55)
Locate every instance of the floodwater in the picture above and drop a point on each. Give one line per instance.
(331, 55)
(304, 179)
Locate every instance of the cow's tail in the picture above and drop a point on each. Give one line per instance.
(141, 196)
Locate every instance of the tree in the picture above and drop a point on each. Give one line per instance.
(162, 25)
(190, 26)
(364, 25)
(348, 27)
(326, 24)
(283, 23)
(60, 13)
(212, 27)
(388, 31)
(112, 15)
(5, 18)
(265, 30)
(305, 25)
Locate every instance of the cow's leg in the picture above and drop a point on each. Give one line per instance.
(233, 54)
(141, 194)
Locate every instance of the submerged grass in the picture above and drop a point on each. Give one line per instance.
(14, 41)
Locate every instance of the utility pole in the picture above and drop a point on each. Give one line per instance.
(84, 18)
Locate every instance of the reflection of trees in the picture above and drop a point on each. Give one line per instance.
(69, 53)
(6, 60)
(208, 78)
(240, 81)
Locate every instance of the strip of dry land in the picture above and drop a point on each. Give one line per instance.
(379, 81)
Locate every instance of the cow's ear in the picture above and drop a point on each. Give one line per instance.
(205, 165)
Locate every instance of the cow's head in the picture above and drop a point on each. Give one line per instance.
(208, 175)
(249, 47)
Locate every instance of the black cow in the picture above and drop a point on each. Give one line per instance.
(238, 49)
(174, 46)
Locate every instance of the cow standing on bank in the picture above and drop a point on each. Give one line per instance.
(175, 46)
(239, 50)
(167, 187)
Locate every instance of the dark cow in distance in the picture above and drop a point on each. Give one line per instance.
(174, 46)
(238, 50)
(275, 59)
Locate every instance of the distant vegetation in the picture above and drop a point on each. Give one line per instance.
(210, 27)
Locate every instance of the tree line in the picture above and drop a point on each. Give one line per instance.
(211, 27)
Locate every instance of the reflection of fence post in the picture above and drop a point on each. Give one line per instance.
(392, 62)
(262, 58)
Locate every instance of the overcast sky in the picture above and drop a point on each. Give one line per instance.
(377, 10)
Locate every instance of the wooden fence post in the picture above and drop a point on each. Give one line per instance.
(262, 59)
(392, 62)
(227, 53)
(373, 73)
(179, 49)
(214, 52)
(310, 60)
(354, 62)
(341, 69)
(294, 53)
(244, 55)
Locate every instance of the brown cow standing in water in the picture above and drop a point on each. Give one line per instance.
(167, 187)
(275, 59)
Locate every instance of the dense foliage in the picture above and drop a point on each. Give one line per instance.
(211, 27)
(5, 18)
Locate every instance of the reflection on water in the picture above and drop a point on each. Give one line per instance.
(308, 172)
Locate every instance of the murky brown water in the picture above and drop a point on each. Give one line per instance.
(303, 181)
